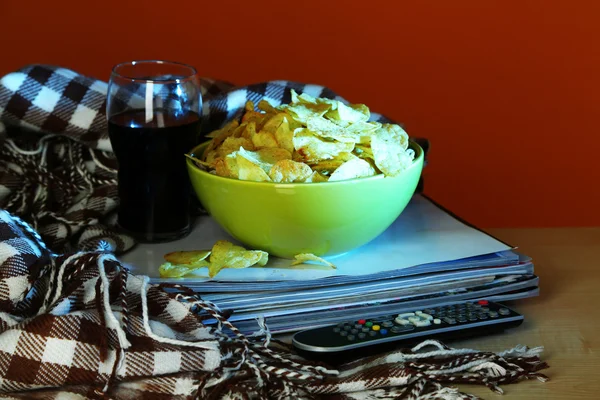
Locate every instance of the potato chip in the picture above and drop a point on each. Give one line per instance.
(313, 148)
(187, 257)
(272, 155)
(265, 158)
(305, 258)
(302, 112)
(253, 116)
(199, 162)
(289, 171)
(344, 115)
(388, 151)
(232, 144)
(227, 255)
(363, 131)
(226, 128)
(353, 169)
(220, 137)
(328, 166)
(228, 166)
(363, 151)
(327, 129)
(249, 130)
(308, 99)
(249, 170)
(264, 139)
(316, 177)
(168, 270)
(272, 122)
(211, 157)
(265, 106)
(285, 136)
(397, 132)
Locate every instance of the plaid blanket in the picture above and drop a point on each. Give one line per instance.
(75, 324)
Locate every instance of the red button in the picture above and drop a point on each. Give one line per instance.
(483, 302)
(362, 321)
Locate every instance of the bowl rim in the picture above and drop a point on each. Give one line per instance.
(411, 143)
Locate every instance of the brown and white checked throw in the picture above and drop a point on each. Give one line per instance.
(78, 325)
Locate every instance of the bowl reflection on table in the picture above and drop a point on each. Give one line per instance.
(286, 219)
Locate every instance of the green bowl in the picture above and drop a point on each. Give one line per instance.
(286, 219)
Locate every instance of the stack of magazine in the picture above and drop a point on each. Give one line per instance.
(427, 257)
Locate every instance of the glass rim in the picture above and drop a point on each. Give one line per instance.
(193, 71)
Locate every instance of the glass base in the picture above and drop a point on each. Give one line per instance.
(157, 237)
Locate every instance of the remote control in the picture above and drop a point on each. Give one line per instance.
(451, 320)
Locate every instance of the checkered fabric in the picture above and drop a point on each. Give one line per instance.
(80, 326)
(57, 170)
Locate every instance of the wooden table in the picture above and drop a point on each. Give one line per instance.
(565, 318)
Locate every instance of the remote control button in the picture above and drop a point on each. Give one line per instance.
(461, 319)
(347, 327)
(483, 302)
(383, 331)
(402, 321)
(336, 329)
(362, 321)
(472, 318)
(406, 314)
(418, 312)
(387, 324)
(414, 319)
(372, 333)
(482, 316)
(429, 311)
(368, 324)
(422, 322)
(485, 309)
(351, 337)
(362, 335)
(427, 316)
(493, 314)
(354, 331)
(344, 333)
(365, 329)
(449, 320)
(437, 321)
(504, 311)
(376, 327)
(399, 329)
(357, 326)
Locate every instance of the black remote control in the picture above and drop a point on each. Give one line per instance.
(451, 321)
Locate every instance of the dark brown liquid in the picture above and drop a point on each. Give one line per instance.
(154, 187)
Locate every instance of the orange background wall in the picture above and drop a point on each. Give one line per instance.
(508, 92)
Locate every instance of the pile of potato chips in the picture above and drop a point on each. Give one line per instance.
(308, 140)
(224, 254)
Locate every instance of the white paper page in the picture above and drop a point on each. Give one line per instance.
(422, 234)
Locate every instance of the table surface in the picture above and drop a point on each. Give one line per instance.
(565, 318)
